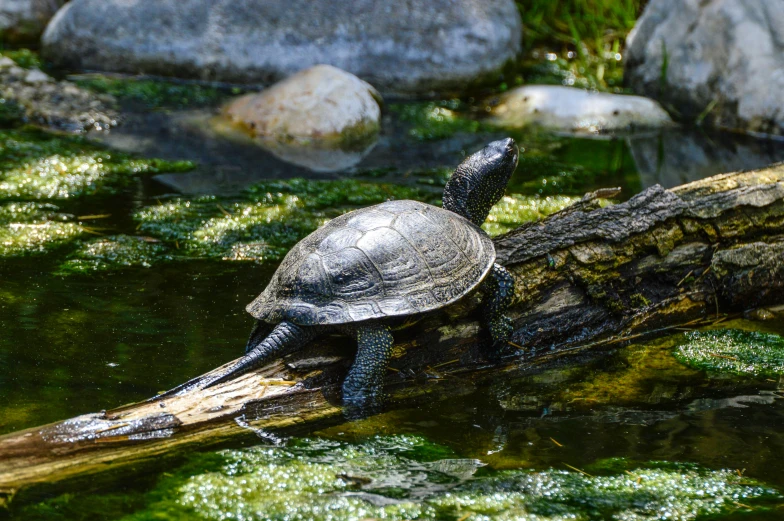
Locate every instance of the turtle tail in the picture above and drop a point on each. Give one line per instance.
(285, 338)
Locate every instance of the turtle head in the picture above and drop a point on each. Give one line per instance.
(480, 180)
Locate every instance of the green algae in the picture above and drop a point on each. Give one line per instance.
(342, 192)
(267, 222)
(155, 93)
(406, 477)
(733, 351)
(256, 231)
(116, 251)
(29, 212)
(38, 165)
(515, 209)
(435, 120)
(640, 374)
(28, 228)
(17, 239)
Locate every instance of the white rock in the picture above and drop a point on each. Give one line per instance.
(576, 110)
(720, 61)
(35, 76)
(321, 106)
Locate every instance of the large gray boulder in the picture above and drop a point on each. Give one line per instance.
(399, 46)
(23, 21)
(721, 60)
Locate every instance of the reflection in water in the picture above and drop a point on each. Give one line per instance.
(315, 158)
(229, 161)
(676, 157)
(74, 345)
(637, 403)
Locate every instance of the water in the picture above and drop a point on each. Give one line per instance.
(75, 343)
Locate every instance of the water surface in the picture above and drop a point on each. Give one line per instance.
(74, 343)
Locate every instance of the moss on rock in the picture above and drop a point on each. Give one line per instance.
(25, 58)
(155, 94)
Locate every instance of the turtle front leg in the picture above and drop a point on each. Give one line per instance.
(364, 385)
(500, 290)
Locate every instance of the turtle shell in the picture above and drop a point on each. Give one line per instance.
(396, 258)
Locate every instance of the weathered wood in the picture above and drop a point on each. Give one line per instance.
(588, 276)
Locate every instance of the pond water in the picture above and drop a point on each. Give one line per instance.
(122, 289)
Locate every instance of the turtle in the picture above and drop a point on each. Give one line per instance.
(369, 270)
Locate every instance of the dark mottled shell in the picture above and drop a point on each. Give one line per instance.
(395, 258)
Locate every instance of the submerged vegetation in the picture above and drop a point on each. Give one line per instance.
(267, 221)
(34, 228)
(435, 120)
(407, 477)
(261, 224)
(38, 165)
(116, 251)
(733, 351)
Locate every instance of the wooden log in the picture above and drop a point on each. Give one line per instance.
(592, 275)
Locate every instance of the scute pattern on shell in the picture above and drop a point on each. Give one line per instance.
(396, 258)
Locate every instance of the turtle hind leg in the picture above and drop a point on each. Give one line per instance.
(363, 388)
(284, 338)
(500, 291)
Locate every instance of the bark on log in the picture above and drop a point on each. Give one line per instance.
(588, 276)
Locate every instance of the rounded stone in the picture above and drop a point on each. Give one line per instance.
(575, 110)
(398, 46)
(322, 104)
